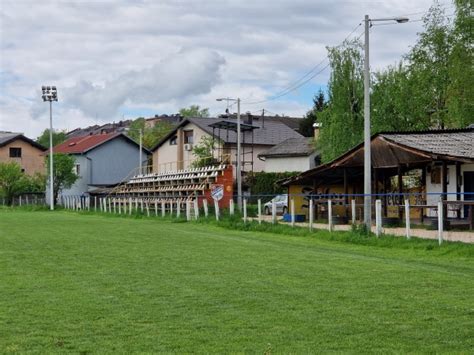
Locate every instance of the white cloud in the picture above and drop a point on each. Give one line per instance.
(109, 55)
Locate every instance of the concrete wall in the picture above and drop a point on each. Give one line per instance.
(283, 164)
(32, 158)
(433, 189)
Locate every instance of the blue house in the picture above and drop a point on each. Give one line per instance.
(102, 161)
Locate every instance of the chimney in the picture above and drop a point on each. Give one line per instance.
(249, 119)
(316, 128)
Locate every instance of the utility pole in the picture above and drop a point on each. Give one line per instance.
(239, 158)
(367, 153)
(140, 157)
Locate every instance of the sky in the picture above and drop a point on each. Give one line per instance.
(121, 59)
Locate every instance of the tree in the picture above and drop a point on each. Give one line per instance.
(194, 111)
(460, 100)
(306, 124)
(58, 137)
(204, 153)
(151, 135)
(342, 120)
(63, 173)
(12, 181)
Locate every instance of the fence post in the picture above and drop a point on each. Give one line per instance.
(178, 209)
(141, 205)
(20, 201)
(120, 206)
(206, 209)
(231, 207)
(188, 210)
(274, 212)
(130, 202)
(330, 215)
(171, 208)
(378, 217)
(196, 208)
(95, 203)
(163, 208)
(292, 210)
(27, 202)
(259, 211)
(407, 217)
(110, 205)
(148, 209)
(156, 208)
(440, 222)
(311, 214)
(216, 207)
(115, 206)
(245, 210)
(136, 204)
(354, 211)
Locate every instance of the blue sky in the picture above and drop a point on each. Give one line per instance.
(149, 57)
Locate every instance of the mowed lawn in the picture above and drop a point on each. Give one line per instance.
(90, 283)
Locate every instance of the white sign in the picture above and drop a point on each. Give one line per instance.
(217, 192)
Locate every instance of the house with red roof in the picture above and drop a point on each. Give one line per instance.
(102, 160)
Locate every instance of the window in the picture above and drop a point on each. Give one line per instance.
(188, 137)
(77, 169)
(174, 140)
(15, 152)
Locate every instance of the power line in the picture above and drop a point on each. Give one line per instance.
(304, 79)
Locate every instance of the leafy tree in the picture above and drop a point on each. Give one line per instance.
(151, 135)
(12, 181)
(204, 153)
(58, 138)
(63, 173)
(342, 120)
(194, 111)
(306, 124)
(460, 101)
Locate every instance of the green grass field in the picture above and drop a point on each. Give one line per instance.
(91, 283)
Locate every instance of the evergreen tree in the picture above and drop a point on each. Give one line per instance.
(306, 124)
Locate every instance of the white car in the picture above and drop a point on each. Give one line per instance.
(281, 203)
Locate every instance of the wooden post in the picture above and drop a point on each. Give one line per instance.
(141, 205)
(188, 210)
(445, 188)
(330, 227)
(206, 208)
(178, 209)
(216, 207)
(231, 207)
(259, 211)
(163, 208)
(354, 212)
(274, 212)
(95, 203)
(292, 210)
(156, 208)
(136, 204)
(378, 217)
(407, 218)
(245, 210)
(130, 204)
(440, 222)
(311, 214)
(119, 206)
(196, 208)
(400, 191)
(148, 209)
(20, 201)
(171, 208)
(115, 207)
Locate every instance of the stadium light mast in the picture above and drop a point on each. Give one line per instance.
(50, 94)
(239, 163)
(367, 154)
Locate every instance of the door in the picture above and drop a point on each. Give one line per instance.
(468, 187)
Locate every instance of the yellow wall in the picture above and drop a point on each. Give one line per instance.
(32, 158)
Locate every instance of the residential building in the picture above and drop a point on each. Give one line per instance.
(102, 160)
(175, 151)
(294, 154)
(22, 150)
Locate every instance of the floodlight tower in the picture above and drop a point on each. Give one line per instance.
(50, 94)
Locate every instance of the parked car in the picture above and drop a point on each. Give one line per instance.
(281, 203)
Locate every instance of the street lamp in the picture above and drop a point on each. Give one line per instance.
(50, 94)
(239, 165)
(367, 154)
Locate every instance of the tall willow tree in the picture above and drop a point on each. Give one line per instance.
(343, 118)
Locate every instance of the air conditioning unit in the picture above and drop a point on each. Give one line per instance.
(188, 147)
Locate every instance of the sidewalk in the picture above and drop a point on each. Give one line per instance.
(465, 237)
